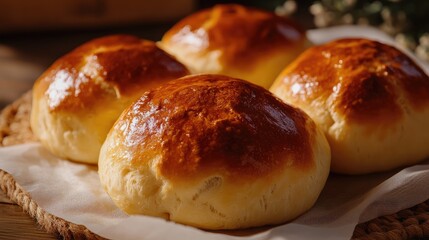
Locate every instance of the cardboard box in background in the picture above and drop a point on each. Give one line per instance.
(36, 15)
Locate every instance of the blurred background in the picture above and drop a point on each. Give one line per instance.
(35, 33)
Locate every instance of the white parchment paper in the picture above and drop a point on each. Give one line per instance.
(72, 191)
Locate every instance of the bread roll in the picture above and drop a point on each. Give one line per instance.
(236, 41)
(77, 99)
(371, 100)
(216, 153)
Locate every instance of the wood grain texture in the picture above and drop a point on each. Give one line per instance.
(16, 224)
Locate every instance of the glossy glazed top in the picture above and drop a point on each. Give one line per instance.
(211, 124)
(111, 67)
(364, 80)
(240, 33)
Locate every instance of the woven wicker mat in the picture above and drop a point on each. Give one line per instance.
(412, 223)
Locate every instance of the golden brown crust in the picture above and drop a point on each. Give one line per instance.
(112, 66)
(243, 34)
(212, 124)
(362, 78)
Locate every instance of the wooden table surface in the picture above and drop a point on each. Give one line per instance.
(16, 224)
